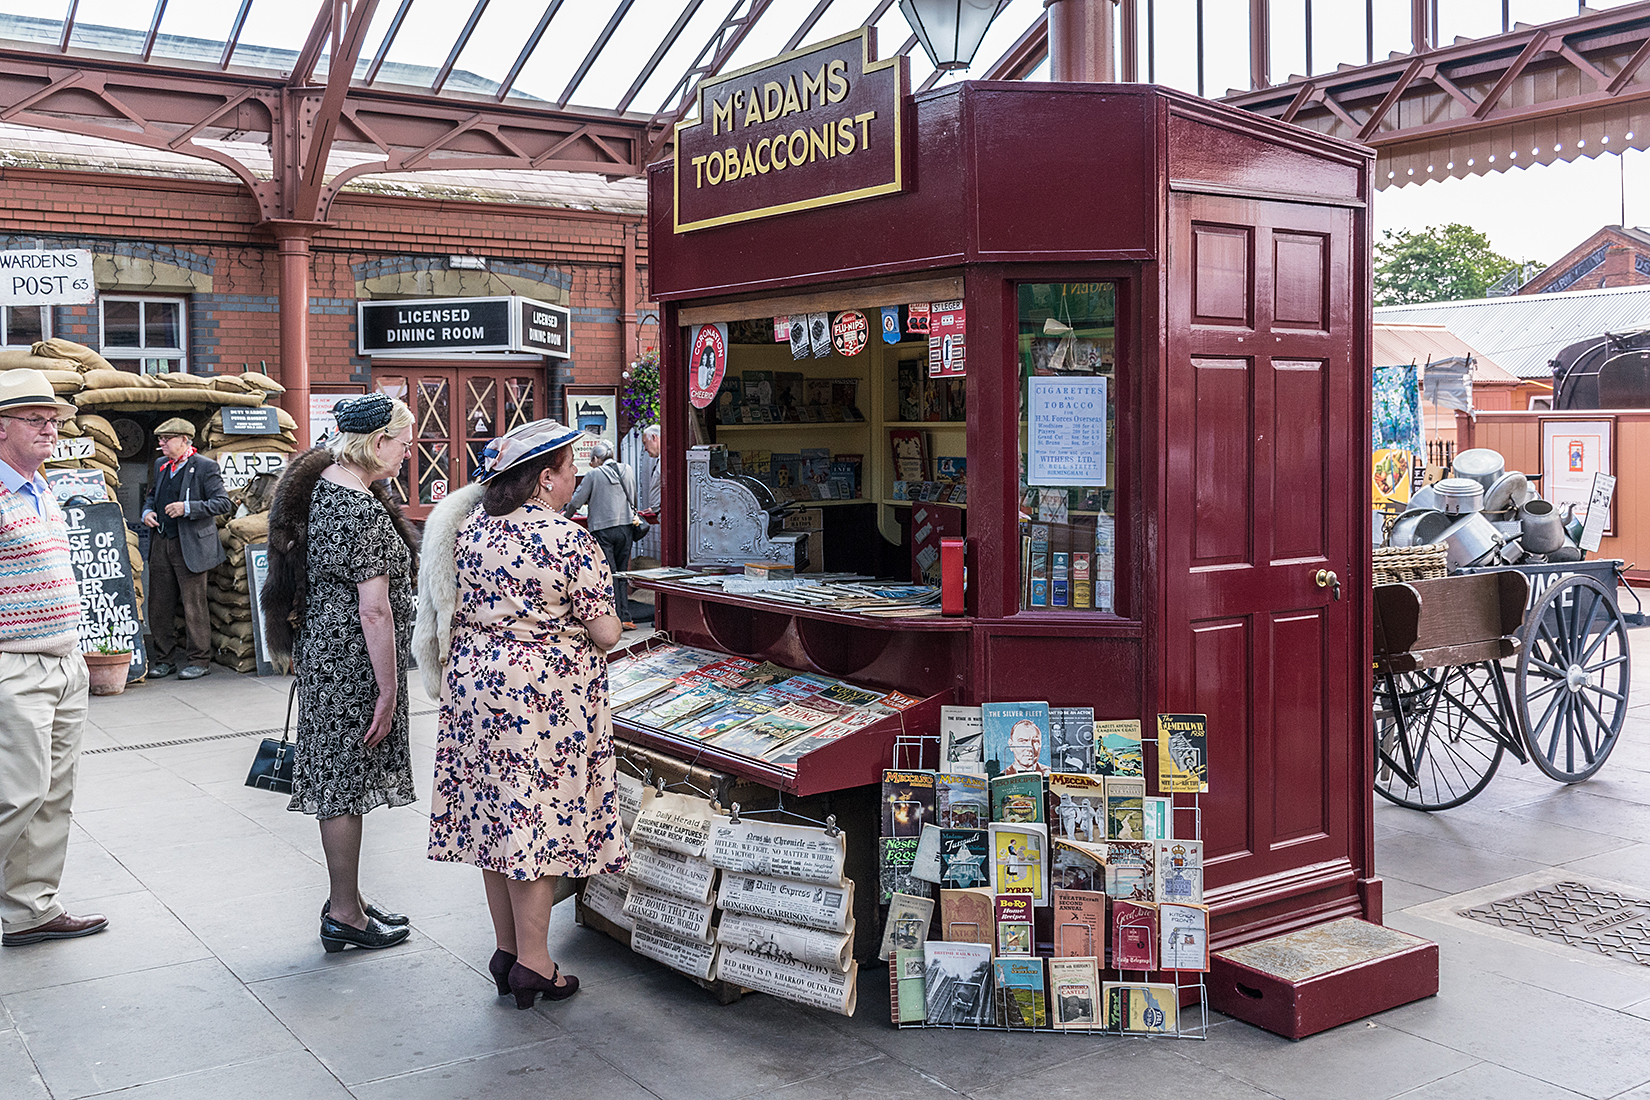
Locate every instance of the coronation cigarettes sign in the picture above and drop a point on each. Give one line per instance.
(811, 128)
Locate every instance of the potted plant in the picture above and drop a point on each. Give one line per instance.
(109, 664)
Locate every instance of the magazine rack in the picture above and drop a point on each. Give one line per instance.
(1191, 987)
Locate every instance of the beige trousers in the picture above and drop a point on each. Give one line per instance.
(42, 716)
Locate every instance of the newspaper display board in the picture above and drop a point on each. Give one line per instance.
(673, 873)
(833, 990)
(669, 912)
(781, 851)
(691, 957)
(675, 822)
(786, 942)
(809, 904)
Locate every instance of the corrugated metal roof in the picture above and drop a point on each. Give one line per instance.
(1523, 332)
(1396, 345)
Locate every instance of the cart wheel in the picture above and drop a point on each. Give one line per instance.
(1449, 740)
(1573, 675)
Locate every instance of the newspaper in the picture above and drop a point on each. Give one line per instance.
(806, 903)
(783, 851)
(787, 943)
(631, 790)
(682, 918)
(676, 822)
(672, 873)
(604, 895)
(689, 956)
(833, 990)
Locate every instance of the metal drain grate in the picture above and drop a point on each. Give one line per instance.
(1579, 915)
(273, 732)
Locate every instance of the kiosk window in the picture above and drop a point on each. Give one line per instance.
(1068, 464)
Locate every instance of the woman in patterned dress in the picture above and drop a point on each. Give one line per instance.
(524, 780)
(339, 601)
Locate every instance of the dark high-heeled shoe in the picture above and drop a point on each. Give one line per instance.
(528, 984)
(499, 967)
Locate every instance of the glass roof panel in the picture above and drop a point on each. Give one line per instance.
(678, 58)
(33, 20)
(500, 33)
(275, 25)
(562, 50)
(845, 16)
(195, 30)
(767, 39)
(426, 38)
(109, 25)
(643, 28)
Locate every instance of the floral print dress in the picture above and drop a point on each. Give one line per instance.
(524, 781)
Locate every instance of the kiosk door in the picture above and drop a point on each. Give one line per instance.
(1263, 464)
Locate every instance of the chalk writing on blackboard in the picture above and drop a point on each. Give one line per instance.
(108, 602)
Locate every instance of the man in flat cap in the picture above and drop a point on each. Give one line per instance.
(184, 495)
(43, 682)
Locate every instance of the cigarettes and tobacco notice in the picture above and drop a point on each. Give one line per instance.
(781, 851)
(673, 873)
(673, 914)
(677, 822)
(807, 903)
(691, 957)
(786, 943)
(833, 990)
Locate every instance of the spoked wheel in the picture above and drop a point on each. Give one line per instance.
(1573, 676)
(1438, 736)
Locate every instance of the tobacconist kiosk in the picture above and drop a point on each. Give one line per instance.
(1133, 318)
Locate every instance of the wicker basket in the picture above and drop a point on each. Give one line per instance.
(1397, 564)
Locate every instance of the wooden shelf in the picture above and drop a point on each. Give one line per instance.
(955, 425)
(720, 428)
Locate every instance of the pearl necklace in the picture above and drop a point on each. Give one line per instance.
(358, 479)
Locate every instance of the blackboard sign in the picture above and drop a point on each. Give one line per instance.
(250, 420)
(257, 569)
(108, 602)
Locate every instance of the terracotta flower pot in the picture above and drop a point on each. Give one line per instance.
(108, 671)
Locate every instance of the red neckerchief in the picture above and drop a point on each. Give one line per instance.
(170, 466)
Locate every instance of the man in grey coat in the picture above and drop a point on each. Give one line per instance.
(609, 489)
(184, 496)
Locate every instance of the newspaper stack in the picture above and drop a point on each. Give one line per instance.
(671, 885)
(787, 925)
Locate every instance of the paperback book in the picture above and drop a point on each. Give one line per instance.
(1018, 859)
(1019, 992)
(1071, 738)
(1179, 871)
(1182, 752)
(964, 858)
(967, 916)
(1079, 923)
(896, 854)
(958, 977)
(1013, 918)
(1076, 865)
(1125, 808)
(962, 800)
(1133, 935)
(1183, 937)
(1117, 748)
(926, 863)
(907, 924)
(1131, 870)
(1074, 986)
(961, 739)
(909, 1005)
(907, 802)
(1017, 797)
(1159, 812)
(1078, 806)
(1148, 1007)
(1016, 738)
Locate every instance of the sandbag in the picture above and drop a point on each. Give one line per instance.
(166, 397)
(80, 354)
(14, 358)
(107, 378)
(99, 429)
(231, 383)
(187, 381)
(262, 381)
(251, 528)
(234, 663)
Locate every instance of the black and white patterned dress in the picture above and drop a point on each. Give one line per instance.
(351, 539)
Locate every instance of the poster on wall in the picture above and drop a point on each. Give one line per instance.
(1396, 435)
(707, 364)
(594, 410)
(321, 423)
(947, 340)
(1572, 451)
(1066, 437)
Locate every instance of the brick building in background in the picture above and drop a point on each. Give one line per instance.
(188, 279)
(1615, 256)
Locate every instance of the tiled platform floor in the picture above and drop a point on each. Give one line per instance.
(211, 981)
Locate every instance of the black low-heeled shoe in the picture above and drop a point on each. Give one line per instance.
(499, 967)
(528, 984)
(335, 935)
(394, 920)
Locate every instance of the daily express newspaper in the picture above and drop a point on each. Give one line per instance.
(806, 903)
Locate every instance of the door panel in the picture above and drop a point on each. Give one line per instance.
(1260, 473)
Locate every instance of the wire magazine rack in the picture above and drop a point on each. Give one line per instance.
(1191, 992)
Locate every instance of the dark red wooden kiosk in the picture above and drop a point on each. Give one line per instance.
(1237, 256)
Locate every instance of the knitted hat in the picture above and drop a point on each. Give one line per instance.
(520, 444)
(175, 426)
(367, 413)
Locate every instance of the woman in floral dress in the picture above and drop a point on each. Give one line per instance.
(524, 782)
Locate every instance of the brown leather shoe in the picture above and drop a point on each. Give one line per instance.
(60, 927)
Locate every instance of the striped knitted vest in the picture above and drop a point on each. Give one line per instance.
(39, 599)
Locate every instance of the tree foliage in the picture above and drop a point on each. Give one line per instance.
(1438, 264)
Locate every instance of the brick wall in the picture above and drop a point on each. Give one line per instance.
(209, 229)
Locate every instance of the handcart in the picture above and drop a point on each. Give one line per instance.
(1445, 649)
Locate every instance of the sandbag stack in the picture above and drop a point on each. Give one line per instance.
(216, 442)
(228, 595)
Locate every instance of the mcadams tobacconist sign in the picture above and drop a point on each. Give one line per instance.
(814, 127)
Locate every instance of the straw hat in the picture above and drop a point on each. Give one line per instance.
(520, 444)
(27, 388)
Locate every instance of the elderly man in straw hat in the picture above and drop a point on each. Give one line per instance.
(186, 492)
(43, 682)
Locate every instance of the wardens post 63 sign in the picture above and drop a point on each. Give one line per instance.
(814, 127)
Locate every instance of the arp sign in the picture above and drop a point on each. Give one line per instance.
(818, 126)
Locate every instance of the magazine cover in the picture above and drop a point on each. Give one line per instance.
(1182, 752)
(1075, 984)
(1117, 748)
(1020, 998)
(1071, 738)
(963, 858)
(1016, 738)
(907, 802)
(1078, 806)
(958, 977)
(962, 801)
(1018, 853)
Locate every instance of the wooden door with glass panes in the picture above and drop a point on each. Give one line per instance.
(456, 411)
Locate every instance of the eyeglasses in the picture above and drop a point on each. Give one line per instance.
(38, 423)
(404, 444)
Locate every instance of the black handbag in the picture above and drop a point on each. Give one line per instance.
(272, 766)
(637, 526)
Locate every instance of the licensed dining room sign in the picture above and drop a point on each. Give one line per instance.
(813, 127)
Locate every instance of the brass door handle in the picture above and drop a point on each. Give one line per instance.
(1326, 578)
